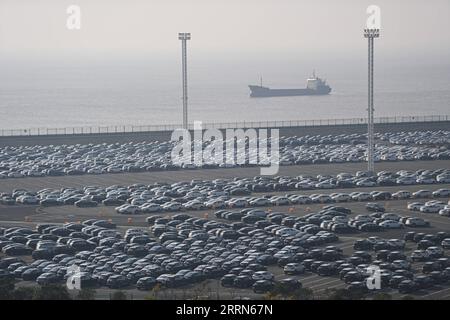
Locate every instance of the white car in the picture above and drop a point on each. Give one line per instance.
(324, 185)
(15, 175)
(415, 206)
(443, 178)
(362, 196)
(263, 275)
(45, 244)
(279, 201)
(425, 180)
(416, 222)
(215, 203)
(321, 198)
(390, 216)
(445, 243)
(193, 205)
(151, 207)
(128, 209)
(340, 219)
(260, 202)
(109, 234)
(294, 268)
(366, 183)
(391, 224)
(237, 203)
(341, 197)
(35, 173)
(422, 194)
(445, 212)
(287, 232)
(171, 206)
(441, 193)
(138, 201)
(402, 194)
(435, 202)
(432, 208)
(27, 200)
(301, 199)
(406, 181)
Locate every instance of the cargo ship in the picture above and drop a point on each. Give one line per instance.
(314, 86)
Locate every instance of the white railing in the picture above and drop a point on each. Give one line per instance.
(218, 125)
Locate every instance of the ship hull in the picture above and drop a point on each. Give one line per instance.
(262, 92)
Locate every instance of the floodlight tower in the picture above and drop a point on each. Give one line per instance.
(370, 34)
(184, 37)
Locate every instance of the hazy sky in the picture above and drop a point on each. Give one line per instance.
(410, 28)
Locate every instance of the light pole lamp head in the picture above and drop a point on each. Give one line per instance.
(371, 33)
(184, 36)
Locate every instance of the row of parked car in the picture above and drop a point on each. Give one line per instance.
(56, 160)
(435, 138)
(433, 268)
(432, 206)
(238, 192)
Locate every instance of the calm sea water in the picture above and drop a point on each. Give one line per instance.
(92, 92)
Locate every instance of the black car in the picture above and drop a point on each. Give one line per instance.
(353, 276)
(5, 274)
(407, 286)
(17, 249)
(423, 282)
(31, 274)
(262, 286)
(358, 287)
(146, 283)
(243, 282)
(326, 269)
(362, 244)
(409, 236)
(116, 281)
(290, 284)
(47, 278)
(228, 280)
(431, 266)
(396, 280)
(438, 277)
(375, 207)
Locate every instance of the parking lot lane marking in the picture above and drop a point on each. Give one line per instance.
(436, 293)
(326, 284)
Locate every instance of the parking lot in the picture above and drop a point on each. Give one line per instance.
(30, 216)
(37, 183)
(293, 233)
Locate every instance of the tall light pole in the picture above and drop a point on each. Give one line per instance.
(370, 34)
(184, 37)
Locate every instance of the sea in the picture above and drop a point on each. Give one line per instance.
(145, 90)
